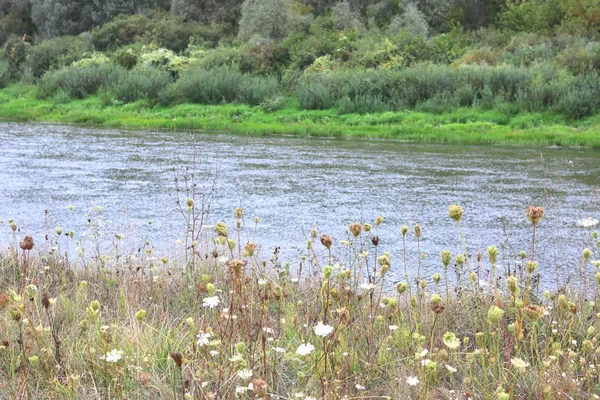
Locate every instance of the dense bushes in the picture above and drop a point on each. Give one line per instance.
(376, 90)
(225, 85)
(56, 53)
(80, 81)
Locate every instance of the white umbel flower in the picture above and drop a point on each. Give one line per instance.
(587, 222)
(113, 356)
(211, 302)
(305, 348)
(412, 380)
(323, 330)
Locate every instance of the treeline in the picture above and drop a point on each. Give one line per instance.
(355, 56)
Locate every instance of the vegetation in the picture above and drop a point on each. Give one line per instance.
(362, 59)
(217, 318)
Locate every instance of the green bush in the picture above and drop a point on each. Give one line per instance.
(4, 73)
(56, 53)
(80, 81)
(14, 52)
(142, 83)
(225, 85)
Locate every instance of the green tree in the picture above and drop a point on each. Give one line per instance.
(269, 19)
(208, 11)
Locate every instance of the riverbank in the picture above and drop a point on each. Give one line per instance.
(186, 325)
(463, 125)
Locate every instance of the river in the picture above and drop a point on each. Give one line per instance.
(292, 183)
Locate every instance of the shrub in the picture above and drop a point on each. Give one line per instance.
(4, 73)
(141, 83)
(79, 81)
(225, 85)
(344, 17)
(14, 52)
(55, 54)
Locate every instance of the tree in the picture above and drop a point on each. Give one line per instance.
(62, 17)
(208, 11)
(269, 19)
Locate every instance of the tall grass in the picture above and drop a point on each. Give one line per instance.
(219, 318)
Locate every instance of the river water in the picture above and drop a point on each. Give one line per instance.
(294, 183)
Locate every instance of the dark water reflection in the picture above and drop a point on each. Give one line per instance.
(291, 183)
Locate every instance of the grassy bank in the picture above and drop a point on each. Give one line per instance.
(220, 319)
(462, 125)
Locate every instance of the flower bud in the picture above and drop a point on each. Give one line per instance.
(455, 212)
(495, 314)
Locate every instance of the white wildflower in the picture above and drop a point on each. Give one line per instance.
(412, 380)
(211, 302)
(587, 222)
(323, 330)
(113, 356)
(305, 348)
(245, 374)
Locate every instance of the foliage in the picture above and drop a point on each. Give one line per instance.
(55, 53)
(411, 20)
(270, 19)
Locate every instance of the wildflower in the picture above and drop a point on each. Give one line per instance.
(279, 349)
(211, 302)
(113, 356)
(412, 380)
(519, 363)
(451, 369)
(245, 374)
(323, 330)
(404, 230)
(203, 339)
(587, 222)
(367, 286)
(423, 353)
(241, 389)
(359, 387)
(305, 349)
(393, 327)
(451, 341)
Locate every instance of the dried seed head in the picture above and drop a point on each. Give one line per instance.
(355, 229)
(259, 387)
(495, 314)
(493, 254)
(326, 240)
(534, 214)
(513, 284)
(367, 227)
(531, 266)
(27, 243)
(446, 257)
(455, 212)
(417, 229)
(375, 240)
(404, 230)
(533, 312)
(239, 213)
(221, 229)
(250, 248)
(178, 358)
(45, 300)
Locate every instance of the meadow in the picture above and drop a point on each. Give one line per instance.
(83, 316)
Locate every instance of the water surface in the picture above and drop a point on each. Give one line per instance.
(293, 183)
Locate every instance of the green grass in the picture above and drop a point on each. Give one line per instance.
(461, 125)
